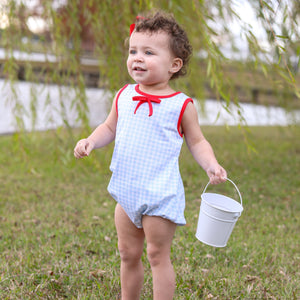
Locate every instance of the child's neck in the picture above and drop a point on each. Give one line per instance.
(159, 90)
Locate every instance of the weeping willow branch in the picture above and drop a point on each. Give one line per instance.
(96, 30)
(281, 49)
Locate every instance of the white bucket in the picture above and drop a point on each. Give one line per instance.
(217, 217)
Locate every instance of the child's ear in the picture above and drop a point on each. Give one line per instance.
(176, 65)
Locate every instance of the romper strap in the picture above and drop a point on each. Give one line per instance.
(118, 96)
(186, 102)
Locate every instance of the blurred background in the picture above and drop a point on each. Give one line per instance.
(62, 61)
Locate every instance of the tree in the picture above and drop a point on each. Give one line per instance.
(75, 26)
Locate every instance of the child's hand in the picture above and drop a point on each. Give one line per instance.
(216, 174)
(83, 148)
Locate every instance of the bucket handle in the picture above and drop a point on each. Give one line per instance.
(233, 185)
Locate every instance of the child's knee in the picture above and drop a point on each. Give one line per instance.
(129, 254)
(156, 255)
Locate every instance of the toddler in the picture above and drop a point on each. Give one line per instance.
(148, 121)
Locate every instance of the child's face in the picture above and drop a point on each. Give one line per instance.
(150, 60)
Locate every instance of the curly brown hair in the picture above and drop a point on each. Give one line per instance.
(179, 42)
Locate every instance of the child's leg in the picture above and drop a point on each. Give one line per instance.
(130, 244)
(159, 234)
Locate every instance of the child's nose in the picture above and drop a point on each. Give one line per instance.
(138, 57)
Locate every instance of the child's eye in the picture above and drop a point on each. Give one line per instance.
(149, 53)
(132, 51)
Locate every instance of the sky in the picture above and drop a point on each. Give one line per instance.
(35, 24)
(248, 21)
(247, 14)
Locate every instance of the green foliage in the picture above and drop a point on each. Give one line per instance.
(72, 28)
(57, 233)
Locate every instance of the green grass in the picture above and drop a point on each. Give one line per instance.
(57, 235)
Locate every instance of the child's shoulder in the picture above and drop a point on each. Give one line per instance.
(126, 89)
(183, 97)
(129, 86)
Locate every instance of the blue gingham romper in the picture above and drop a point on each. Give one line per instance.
(145, 172)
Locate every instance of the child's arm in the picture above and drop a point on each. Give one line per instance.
(200, 147)
(100, 137)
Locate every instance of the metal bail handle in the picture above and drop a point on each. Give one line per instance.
(233, 185)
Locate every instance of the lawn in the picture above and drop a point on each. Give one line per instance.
(57, 235)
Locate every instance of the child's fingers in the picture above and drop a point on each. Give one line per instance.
(80, 149)
(223, 175)
(79, 153)
(217, 176)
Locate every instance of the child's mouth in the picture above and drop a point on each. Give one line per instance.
(138, 69)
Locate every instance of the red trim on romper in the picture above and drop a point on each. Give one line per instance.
(118, 95)
(137, 89)
(186, 102)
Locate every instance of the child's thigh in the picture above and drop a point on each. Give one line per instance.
(159, 232)
(129, 236)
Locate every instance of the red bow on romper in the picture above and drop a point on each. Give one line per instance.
(144, 99)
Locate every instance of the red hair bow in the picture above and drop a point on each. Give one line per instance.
(132, 26)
